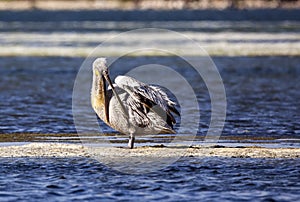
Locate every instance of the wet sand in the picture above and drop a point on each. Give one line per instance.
(63, 150)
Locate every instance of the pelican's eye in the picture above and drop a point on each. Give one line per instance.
(105, 72)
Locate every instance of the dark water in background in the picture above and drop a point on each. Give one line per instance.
(263, 101)
(189, 179)
(272, 15)
(262, 94)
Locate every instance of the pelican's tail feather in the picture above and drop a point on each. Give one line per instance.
(167, 131)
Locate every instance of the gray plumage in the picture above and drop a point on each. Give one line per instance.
(130, 106)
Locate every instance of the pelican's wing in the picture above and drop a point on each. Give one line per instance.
(144, 98)
(170, 104)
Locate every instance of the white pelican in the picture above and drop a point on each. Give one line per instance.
(130, 106)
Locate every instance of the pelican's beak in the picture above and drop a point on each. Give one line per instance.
(107, 78)
(106, 105)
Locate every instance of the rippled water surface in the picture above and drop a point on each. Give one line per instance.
(196, 179)
(262, 93)
(262, 105)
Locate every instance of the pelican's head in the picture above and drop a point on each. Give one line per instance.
(100, 67)
(100, 76)
(100, 71)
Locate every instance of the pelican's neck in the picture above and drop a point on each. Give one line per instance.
(98, 86)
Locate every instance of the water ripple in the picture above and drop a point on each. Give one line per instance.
(211, 179)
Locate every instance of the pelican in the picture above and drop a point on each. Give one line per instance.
(130, 106)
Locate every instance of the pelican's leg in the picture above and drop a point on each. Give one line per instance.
(131, 141)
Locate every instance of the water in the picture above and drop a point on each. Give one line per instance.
(262, 104)
(262, 94)
(262, 97)
(211, 179)
(37, 98)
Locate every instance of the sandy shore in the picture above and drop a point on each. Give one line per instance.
(78, 150)
(146, 4)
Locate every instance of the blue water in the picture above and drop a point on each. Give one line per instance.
(262, 97)
(262, 107)
(262, 94)
(189, 179)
